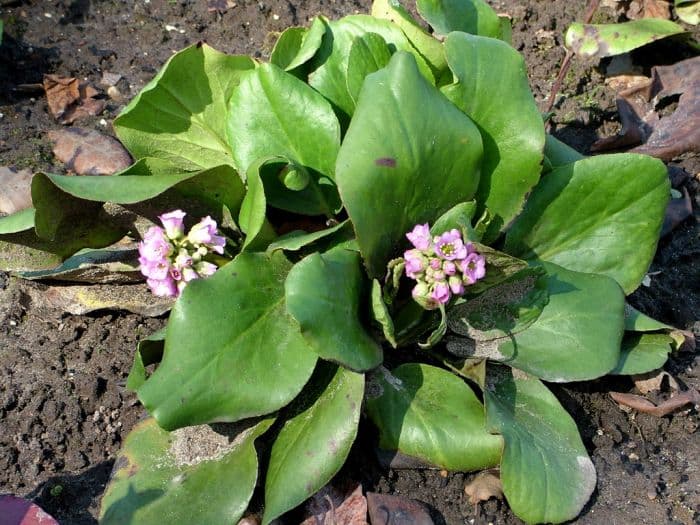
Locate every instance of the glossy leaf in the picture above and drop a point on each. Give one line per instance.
(546, 473)
(408, 156)
(381, 314)
(458, 217)
(189, 97)
(642, 353)
(155, 480)
(324, 293)
(368, 53)
(274, 113)
(253, 211)
(298, 239)
(601, 215)
(17, 222)
(557, 154)
(430, 414)
(492, 89)
(297, 45)
(604, 40)
(576, 336)
(470, 16)
(235, 320)
(149, 351)
(636, 321)
(314, 443)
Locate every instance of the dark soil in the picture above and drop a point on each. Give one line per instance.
(64, 411)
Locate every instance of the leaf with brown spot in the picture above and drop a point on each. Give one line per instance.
(88, 152)
(69, 99)
(15, 190)
(642, 404)
(330, 506)
(484, 486)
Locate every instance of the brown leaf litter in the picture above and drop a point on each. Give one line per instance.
(88, 152)
(15, 190)
(484, 486)
(70, 100)
(330, 506)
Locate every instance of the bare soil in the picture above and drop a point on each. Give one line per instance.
(64, 410)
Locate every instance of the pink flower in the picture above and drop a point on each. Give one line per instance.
(414, 263)
(421, 294)
(204, 232)
(155, 269)
(163, 287)
(172, 222)
(456, 285)
(441, 293)
(420, 236)
(205, 269)
(449, 268)
(449, 245)
(473, 267)
(155, 246)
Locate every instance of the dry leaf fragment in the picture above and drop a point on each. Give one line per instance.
(69, 99)
(330, 506)
(649, 9)
(652, 381)
(385, 509)
(484, 486)
(220, 6)
(15, 190)
(642, 404)
(677, 211)
(88, 152)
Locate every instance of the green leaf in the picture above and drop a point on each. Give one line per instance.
(559, 154)
(274, 113)
(636, 321)
(493, 90)
(428, 413)
(297, 45)
(576, 336)
(642, 353)
(380, 313)
(107, 266)
(17, 222)
(368, 53)
(189, 97)
(458, 217)
(688, 11)
(314, 443)
(604, 40)
(408, 142)
(499, 268)
(296, 240)
(233, 321)
(430, 48)
(330, 64)
(546, 473)
(470, 16)
(149, 351)
(324, 293)
(161, 477)
(601, 215)
(252, 216)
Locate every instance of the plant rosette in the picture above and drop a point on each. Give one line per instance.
(383, 188)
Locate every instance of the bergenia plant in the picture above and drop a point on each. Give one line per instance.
(386, 192)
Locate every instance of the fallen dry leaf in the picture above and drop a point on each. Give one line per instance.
(330, 506)
(652, 381)
(19, 511)
(88, 152)
(15, 190)
(663, 137)
(677, 211)
(220, 6)
(642, 404)
(385, 509)
(484, 486)
(69, 99)
(626, 82)
(649, 9)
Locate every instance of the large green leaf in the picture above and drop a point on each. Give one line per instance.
(330, 64)
(492, 88)
(546, 473)
(231, 349)
(17, 222)
(325, 293)
(297, 45)
(470, 16)
(643, 353)
(368, 53)
(162, 477)
(314, 443)
(557, 153)
(408, 156)
(428, 413)
(181, 114)
(604, 40)
(274, 113)
(601, 214)
(576, 337)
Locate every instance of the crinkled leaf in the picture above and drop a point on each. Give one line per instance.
(604, 40)
(546, 473)
(492, 88)
(314, 443)
(470, 16)
(235, 320)
(428, 413)
(297, 45)
(406, 143)
(189, 97)
(160, 477)
(601, 214)
(368, 53)
(643, 353)
(325, 293)
(274, 113)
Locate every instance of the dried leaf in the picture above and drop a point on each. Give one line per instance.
(69, 99)
(652, 381)
(88, 152)
(330, 507)
(649, 9)
(642, 404)
(19, 511)
(220, 6)
(677, 211)
(389, 510)
(627, 82)
(484, 486)
(15, 190)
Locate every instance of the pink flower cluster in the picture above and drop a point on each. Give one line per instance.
(170, 259)
(443, 266)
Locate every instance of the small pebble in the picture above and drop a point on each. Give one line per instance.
(114, 93)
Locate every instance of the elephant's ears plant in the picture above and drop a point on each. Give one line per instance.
(399, 164)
